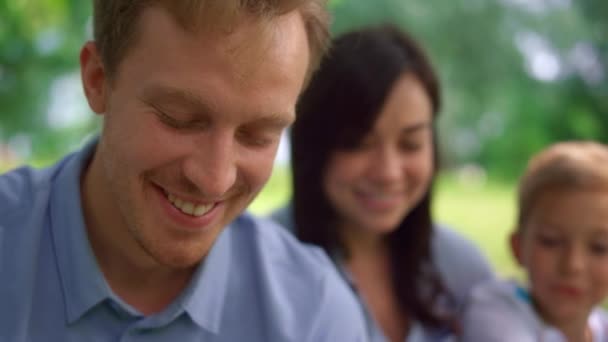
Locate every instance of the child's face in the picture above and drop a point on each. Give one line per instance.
(564, 249)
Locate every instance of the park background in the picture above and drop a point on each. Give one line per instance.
(517, 75)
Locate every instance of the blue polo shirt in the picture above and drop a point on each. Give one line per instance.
(256, 284)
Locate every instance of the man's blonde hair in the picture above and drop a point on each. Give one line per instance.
(115, 21)
(577, 165)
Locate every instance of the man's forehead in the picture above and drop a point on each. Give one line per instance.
(245, 44)
(227, 68)
(254, 42)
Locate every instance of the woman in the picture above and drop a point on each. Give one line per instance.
(364, 158)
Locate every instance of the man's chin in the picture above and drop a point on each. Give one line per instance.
(180, 260)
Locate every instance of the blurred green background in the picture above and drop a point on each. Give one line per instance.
(516, 75)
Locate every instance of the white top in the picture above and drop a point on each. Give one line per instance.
(501, 311)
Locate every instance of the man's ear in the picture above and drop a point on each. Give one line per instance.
(93, 77)
(516, 248)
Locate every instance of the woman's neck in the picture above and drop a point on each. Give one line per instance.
(362, 244)
(369, 263)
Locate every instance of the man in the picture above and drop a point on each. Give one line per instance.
(139, 236)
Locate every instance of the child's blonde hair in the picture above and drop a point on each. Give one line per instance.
(564, 165)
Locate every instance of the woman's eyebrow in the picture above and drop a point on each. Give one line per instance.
(415, 127)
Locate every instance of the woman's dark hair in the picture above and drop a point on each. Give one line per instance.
(335, 112)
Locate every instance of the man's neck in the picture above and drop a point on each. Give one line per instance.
(131, 273)
(149, 292)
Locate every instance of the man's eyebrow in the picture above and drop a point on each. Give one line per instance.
(273, 120)
(170, 95)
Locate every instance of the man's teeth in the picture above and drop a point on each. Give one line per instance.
(189, 208)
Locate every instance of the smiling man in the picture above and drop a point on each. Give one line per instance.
(140, 236)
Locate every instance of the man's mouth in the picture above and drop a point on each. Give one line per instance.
(189, 208)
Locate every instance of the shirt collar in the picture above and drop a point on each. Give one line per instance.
(204, 298)
(83, 283)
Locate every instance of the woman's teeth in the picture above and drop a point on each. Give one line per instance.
(189, 208)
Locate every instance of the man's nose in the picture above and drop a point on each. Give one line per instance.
(211, 164)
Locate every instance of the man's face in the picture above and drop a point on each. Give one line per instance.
(192, 124)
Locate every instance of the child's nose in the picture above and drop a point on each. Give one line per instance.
(574, 259)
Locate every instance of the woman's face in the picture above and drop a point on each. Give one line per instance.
(375, 185)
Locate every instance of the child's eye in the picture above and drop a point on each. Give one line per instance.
(548, 241)
(598, 249)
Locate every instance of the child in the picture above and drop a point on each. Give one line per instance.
(561, 241)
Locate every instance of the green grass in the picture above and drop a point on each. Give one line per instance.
(483, 211)
(5, 167)
(275, 194)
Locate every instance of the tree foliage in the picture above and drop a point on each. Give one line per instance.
(496, 110)
(516, 74)
(39, 41)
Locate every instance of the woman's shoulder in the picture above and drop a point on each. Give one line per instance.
(449, 240)
(451, 247)
(500, 301)
(460, 263)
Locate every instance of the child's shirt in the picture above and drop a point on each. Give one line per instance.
(502, 311)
